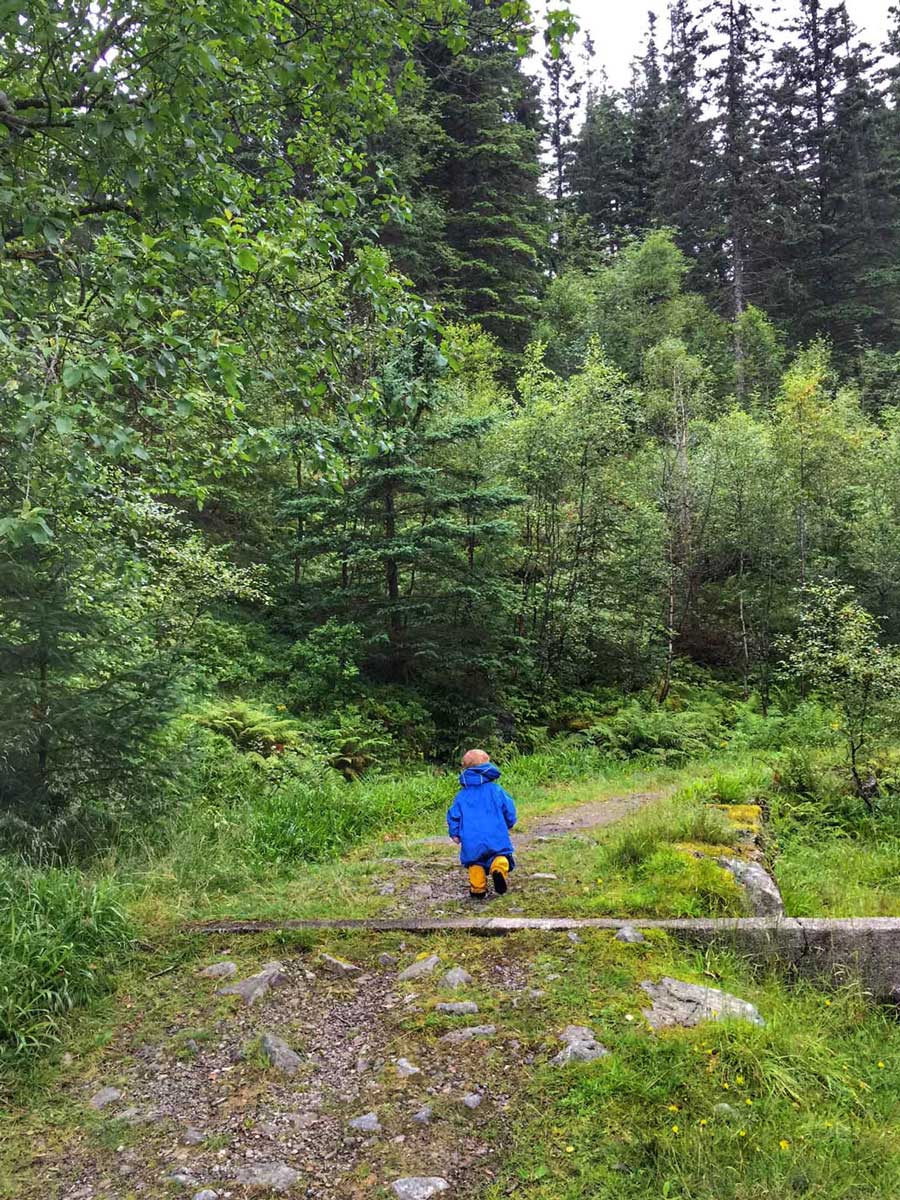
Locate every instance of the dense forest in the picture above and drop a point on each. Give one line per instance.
(370, 385)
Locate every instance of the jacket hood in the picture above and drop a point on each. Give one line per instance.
(473, 776)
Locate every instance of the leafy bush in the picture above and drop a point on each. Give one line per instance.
(248, 728)
(666, 734)
(60, 937)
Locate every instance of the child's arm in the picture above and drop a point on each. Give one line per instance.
(454, 817)
(509, 810)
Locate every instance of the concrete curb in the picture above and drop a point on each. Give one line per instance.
(867, 948)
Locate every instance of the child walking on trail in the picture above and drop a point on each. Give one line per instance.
(479, 821)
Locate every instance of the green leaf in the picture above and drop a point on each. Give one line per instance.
(247, 260)
(72, 375)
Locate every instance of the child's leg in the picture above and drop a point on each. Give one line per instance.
(499, 872)
(477, 880)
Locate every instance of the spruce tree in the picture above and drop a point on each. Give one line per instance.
(478, 177)
(685, 185)
(409, 548)
(564, 87)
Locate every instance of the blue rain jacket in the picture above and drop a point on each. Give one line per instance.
(482, 815)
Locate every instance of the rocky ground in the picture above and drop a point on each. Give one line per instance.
(360, 1070)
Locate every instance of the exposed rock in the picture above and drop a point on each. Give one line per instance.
(459, 1008)
(254, 987)
(270, 1176)
(629, 934)
(280, 1055)
(581, 1045)
(465, 1035)
(192, 1137)
(405, 1068)
(182, 1178)
(542, 875)
(206, 1194)
(105, 1097)
(726, 1110)
(678, 1003)
(760, 889)
(367, 1123)
(423, 1116)
(388, 960)
(338, 966)
(456, 978)
(423, 966)
(419, 1187)
(472, 1100)
(573, 937)
(219, 970)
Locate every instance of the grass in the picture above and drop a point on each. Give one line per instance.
(61, 940)
(815, 1109)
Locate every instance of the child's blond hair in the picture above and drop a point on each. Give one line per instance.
(475, 758)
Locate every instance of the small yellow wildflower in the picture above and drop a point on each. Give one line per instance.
(742, 1133)
(675, 1129)
(880, 1065)
(748, 1101)
(673, 1108)
(726, 1086)
(784, 1144)
(739, 1079)
(281, 708)
(703, 1120)
(828, 1004)
(570, 1149)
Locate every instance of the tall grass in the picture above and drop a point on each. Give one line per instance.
(60, 940)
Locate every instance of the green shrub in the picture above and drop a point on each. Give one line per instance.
(60, 938)
(663, 733)
(249, 729)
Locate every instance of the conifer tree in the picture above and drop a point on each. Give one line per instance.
(564, 87)
(684, 195)
(409, 548)
(482, 112)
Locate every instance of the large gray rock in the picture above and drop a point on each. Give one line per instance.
(466, 1035)
(458, 1008)
(338, 966)
(581, 1045)
(630, 935)
(254, 987)
(419, 1187)
(678, 1003)
(457, 978)
(416, 970)
(219, 970)
(280, 1055)
(423, 1116)
(105, 1097)
(270, 1176)
(406, 1069)
(760, 889)
(472, 1100)
(367, 1123)
(206, 1194)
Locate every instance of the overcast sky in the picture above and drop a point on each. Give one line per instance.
(618, 27)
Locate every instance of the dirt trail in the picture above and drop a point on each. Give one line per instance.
(429, 886)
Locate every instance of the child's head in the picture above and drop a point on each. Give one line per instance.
(475, 758)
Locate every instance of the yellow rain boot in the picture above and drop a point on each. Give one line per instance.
(477, 881)
(499, 872)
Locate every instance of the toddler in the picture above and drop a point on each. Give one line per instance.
(479, 821)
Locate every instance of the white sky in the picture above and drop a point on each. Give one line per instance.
(618, 27)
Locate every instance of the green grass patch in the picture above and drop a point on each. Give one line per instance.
(813, 1109)
(62, 938)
